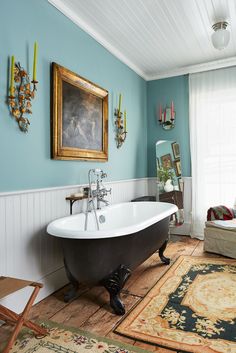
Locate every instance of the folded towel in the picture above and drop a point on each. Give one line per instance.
(220, 212)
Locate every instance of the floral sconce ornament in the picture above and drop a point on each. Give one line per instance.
(21, 92)
(121, 125)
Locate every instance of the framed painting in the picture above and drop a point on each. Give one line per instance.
(166, 161)
(79, 117)
(177, 165)
(176, 150)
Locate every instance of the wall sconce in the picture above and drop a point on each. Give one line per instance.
(167, 117)
(21, 93)
(121, 125)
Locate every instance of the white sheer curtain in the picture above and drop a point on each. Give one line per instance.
(212, 100)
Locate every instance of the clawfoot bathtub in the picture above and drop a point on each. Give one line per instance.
(129, 233)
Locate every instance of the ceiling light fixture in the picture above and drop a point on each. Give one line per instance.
(220, 38)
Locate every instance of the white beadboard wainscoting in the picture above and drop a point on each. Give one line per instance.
(26, 251)
(185, 229)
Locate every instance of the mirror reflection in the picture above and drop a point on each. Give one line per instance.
(169, 175)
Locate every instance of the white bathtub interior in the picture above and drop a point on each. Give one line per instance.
(120, 219)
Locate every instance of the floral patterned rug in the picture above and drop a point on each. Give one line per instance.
(68, 340)
(192, 308)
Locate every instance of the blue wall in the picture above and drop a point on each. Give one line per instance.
(163, 92)
(25, 159)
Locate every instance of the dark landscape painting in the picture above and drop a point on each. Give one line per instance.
(82, 119)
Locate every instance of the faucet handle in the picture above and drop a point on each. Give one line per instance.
(103, 192)
(103, 175)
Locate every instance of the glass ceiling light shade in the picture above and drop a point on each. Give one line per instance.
(220, 38)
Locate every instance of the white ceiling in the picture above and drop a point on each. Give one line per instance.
(157, 38)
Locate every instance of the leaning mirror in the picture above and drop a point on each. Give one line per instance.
(169, 176)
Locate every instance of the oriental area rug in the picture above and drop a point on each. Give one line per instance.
(192, 308)
(62, 339)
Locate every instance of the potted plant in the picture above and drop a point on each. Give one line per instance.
(166, 177)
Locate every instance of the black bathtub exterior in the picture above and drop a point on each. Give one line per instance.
(109, 261)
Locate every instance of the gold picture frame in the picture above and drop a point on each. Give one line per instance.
(176, 150)
(177, 165)
(79, 117)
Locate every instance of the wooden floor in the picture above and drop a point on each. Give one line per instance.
(91, 312)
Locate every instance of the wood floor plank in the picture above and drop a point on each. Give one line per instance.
(81, 309)
(149, 277)
(153, 269)
(52, 304)
(182, 245)
(49, 306)
(104, 320)
(138, 273)
(144, 267)
(199, 251)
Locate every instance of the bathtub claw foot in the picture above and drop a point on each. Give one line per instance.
(117, 305)
(71, 294)
(113, 284)
(164, 259)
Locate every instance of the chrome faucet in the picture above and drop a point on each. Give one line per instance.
(99, 193)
